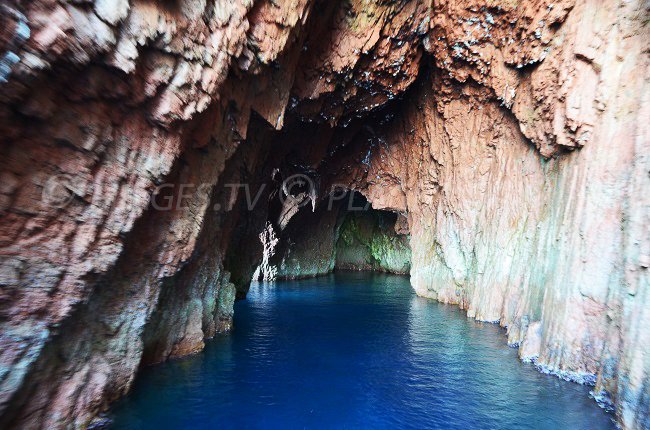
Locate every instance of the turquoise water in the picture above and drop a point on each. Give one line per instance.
(354, 350)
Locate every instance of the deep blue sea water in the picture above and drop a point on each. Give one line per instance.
(354, 350)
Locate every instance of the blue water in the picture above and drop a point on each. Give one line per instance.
(354, 351)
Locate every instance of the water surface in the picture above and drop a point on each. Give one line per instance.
(354, 350)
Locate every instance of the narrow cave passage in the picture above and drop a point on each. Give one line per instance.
(341, 232)
(331, 311)
(371, 239)
(156, 156)
(330, 333)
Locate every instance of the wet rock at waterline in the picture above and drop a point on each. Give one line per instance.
(372, 240)
(310, 353)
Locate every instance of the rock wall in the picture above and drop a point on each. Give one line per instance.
(552, 249)
(514, 137)
(373, 240)
(307, 247)
(343, 234)
(108, 101)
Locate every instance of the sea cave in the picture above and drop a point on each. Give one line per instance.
(324, 214)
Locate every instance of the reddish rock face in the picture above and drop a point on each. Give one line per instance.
(511, 138)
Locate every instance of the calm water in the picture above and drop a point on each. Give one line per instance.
(354, 351)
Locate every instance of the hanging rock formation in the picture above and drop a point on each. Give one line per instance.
(512, 138)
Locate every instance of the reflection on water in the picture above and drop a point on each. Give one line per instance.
(356, 351)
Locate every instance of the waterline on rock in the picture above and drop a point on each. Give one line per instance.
(354, 350)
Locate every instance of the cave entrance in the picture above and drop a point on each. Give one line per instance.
(342, 234)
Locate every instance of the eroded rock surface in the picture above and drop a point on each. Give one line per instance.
(512, 136)
(373, 240)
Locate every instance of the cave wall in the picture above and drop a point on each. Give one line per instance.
(373, 240)
(111, 100)
(519, 156)
(307, 247)
(345, 234)
(553, 249)
(544, 247)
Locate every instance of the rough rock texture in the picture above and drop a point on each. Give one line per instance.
(107, 106)
(372, 240)
(513, 136)
(553, 250)
(308, 246)
(343, 234)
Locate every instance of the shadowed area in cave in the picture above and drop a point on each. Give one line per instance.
(341, 232)
(297, 188)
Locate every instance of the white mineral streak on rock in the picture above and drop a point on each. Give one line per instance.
(266, 271)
